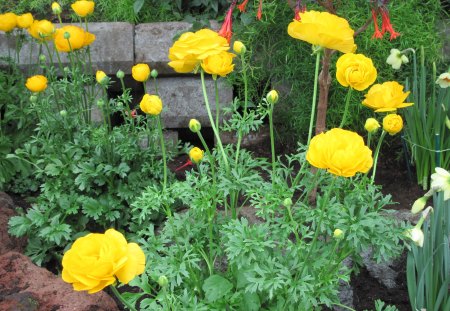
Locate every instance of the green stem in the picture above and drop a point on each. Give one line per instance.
(244, 73)
(294, 230)
(369, 138)
(377, 153)
(119, 296)
(343, 306)
(216, 91)
(272, 142)
(347, 104)
(210, 157)
(163, 151)
(313, 106)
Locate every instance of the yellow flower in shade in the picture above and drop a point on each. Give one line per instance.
(140, 72)
(325, 30)
(272, 97)
(8, 22)
(196, 154)
(392, 123)
(96, 260)
(83, 8)
(101, 77)
(151, 104)
(42, 30)
(56, 8)
(192, 48)
(239, 47)
(25, 20)
(372, 125)
(388, 96)
(78, 38)
(36, 83)
(444, 80)
(341, 152)
(219, 64)
(416, 235)
(356, 71)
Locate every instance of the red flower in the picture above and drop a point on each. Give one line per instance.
(226, 30)
(188, 163)
(386, 23)
(299, 8)
(242, 6)
(259, 14)
(377, 34)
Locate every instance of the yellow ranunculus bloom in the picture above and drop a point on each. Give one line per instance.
(341, 152)
(388, 96)
(25, 20)
(78, 38)
(95, 260)
(392, 123)
(140, 72)
(42, 30)
(100, 76)
(239, 47)
(56, 8)
(151, 104)
(356, 71)
(219, 64)
(196, 154)
(83, 8)
(325, 30)
(8, 22)
(36, 83)
(192, 48)
(371, 125)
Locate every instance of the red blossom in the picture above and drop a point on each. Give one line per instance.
(187, 164)
(259, 14)
(242, 6)
(226, 30)
(299, 8)
(377, 34)
(386, 25)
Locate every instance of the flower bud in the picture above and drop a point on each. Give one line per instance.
(66, 70)
(416, 235)
(372, 125)
(63, 113)
(67, 35)
(196, 154)
(119, 105)
(154, 73)
(101, 77)
(392, 123)
(33, 99)
(272, 97)
(419, 204)
(287, 202)
(338, 234)
(120, 74)
(195, 126)
(239, 47)
(42, 58)
(56, 8)
(100, 103)
(163, 281)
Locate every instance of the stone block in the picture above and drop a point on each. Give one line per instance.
(183, 100)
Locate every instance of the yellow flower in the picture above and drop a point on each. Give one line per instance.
(196, 154)
(25, 20)
(392, 123)
(192, 48)
(101, 77)
(371, 125)
(341, 152)
(140, 72)
(151, 104)
(36, 83)
(388, 96)
(356, 71)
(42, 30)
(325, 30)
(8, 22)
(239, 47)
(194, 126)
(56, 8)
(272, 97)
(95, 260)
(78, 38)
(219, 64)
(83, 8)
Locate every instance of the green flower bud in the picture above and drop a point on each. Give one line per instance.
(272, 97)
(195, 126)
(419, 204)
(100, 103)
(33, 99)
(154, 73)
(338, 234)
(287, 202)
(163, 281)
(239, 47)
(66, 70)
(42, 58)
(67, 35)
(119, 105)
(63, 113)
(120, 74)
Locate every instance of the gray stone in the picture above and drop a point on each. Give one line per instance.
(381, 271)
(170, 140)
(183, 100)
(345, 290)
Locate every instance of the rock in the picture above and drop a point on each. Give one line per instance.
(8, 243)
(381, 271)
(25, 286)
(345, 290)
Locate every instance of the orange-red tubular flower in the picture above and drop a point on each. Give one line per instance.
(242, 6)
(377, 33)
(386, 25)
(226, 30)
(259, 14)
(299, 8)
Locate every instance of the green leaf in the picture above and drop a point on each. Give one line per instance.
(18, 225)
(251, 302)
(137, 6)
(216, 287)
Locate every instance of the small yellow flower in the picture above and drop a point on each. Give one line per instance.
(56, 8)
(83, 8)
(25, 20)
(101, 77)
(388, 96)
(219, 64)
(272, 97)
(195, 126)
(36, 83)
(392, 123)
(396, 59)
(338, 234)
(356, 71)
(151, 104)
(196, 154)
(239, 47)
(8, 22)
(444, 80)
(42, 30)
(371, 125)
(78, 38)
(140, 72)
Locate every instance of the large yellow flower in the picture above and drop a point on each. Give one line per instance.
(95, 260)
(219, 64)
(388, 96)
(25, 20)
(42, 30)
(341, 152)
(8, 22)
(36, 83)
(325, 30)
(192, 48)
(83, 8)
(78, 38)
(356, 71)
(151, 104)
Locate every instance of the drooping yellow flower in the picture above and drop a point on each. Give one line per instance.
(25, 20)
(356, 71)
(392, 123)
(101, 77)
(444, 80)
(36, 83)
(8, 22)
(151, 104)
(83, 8)
(396, 59)
(341, 152)
(388, 96)
(78, 38)
(219, 64)
(192, 48)
(42, 30)
(196, 154)
(325, 30)
(140, 72)
(372, 125)
(95, 260)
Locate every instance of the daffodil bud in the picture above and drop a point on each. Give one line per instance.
(338, 234)
(163, 281)
(195, 126)
(154, 73)
(287, 202)
(372, 125)
(272, 97)
(63, 113)
(120, 74)
(416, 235)
(419, 204)
(239, 47)
(56, 8)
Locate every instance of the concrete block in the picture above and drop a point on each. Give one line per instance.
(183, 100)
